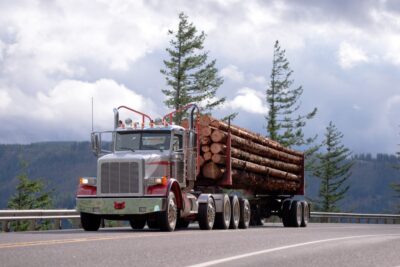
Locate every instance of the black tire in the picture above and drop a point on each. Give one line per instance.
(138, 223)
(153, 224)
(286, 214)
(90, 222)
(223, 219)
(245, 214)
(235, 212)
(296, 214)
(305, 213)
(169, 217)
(182, 223)
(206, 215)
(255, 219)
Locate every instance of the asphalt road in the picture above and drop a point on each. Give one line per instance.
(269, 245)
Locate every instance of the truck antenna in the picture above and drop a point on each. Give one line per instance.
(92, 114)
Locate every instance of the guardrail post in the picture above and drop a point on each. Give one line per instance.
(5, 227)
(32, 224)
(57, 224)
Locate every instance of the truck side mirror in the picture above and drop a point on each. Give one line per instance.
(95, 143)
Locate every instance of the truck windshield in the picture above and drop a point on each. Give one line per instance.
(142, 141)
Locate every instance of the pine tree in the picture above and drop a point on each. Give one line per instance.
(396, 186)
(189, 75)
(333, 168)
(29, 195)
(283, 125)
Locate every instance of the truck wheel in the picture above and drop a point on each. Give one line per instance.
(286, 214)
(206, 215)
(255, 219)
(137, 223)
(153, 224)
(296, 214)
(169, 217)
(235, 212)
(245, 214)
(223, 219)
(90, 222)
(305, 214)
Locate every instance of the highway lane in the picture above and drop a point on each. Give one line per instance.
(269, 245)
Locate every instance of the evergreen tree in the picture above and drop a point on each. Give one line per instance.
(283, 125)
(29, 195)
(333, 168)
(396, 186)
(189, 75)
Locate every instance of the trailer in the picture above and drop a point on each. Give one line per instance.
(157, 173)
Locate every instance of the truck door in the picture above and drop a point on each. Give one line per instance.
(178, 159)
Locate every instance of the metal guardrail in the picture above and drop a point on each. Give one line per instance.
(341, 217)
(8, 216)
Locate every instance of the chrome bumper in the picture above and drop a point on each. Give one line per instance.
(114, 206)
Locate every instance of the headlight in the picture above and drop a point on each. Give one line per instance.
(88, 181)
(157, 181)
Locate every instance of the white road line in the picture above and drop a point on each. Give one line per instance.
(214, 262)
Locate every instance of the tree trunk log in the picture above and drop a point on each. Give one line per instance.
(218, 136)
(261, 184)
(287, 167)
(252, 167)
(212, 171)
(204, 120)
(254, 148)
(205, 140)
(205, 148)
(205, 131)
(218, 158)
(207, 156)
(217, 148)
(253, 136)
(201, 161)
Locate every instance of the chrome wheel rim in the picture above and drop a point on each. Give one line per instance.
(172, 213)
(227, 213)
(211, 213)
(236, 213)
(299, 213)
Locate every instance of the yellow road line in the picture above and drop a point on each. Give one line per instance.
(76, 240)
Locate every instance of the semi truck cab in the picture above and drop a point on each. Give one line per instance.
(147, 177)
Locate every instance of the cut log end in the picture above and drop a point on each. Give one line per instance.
(212, 171)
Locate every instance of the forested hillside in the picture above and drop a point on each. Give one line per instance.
(369, 185)
(62, 163)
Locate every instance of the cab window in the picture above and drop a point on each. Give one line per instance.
(177, 144)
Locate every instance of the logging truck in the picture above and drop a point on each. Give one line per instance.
(205, 170)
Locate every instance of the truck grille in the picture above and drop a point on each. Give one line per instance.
(119, 177)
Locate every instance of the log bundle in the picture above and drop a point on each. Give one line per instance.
(256, 163)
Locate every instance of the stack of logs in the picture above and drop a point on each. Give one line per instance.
(258, 163)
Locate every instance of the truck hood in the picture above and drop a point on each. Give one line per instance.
(153, 164)
(135, 156)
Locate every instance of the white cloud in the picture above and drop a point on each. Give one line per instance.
(58, 35)
(61, 51)
(350, 55)
(257, 79)
(248, 100)
(5, 99)
(231, 72)
(67, 107)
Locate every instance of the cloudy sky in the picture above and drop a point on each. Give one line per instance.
(56, 55)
